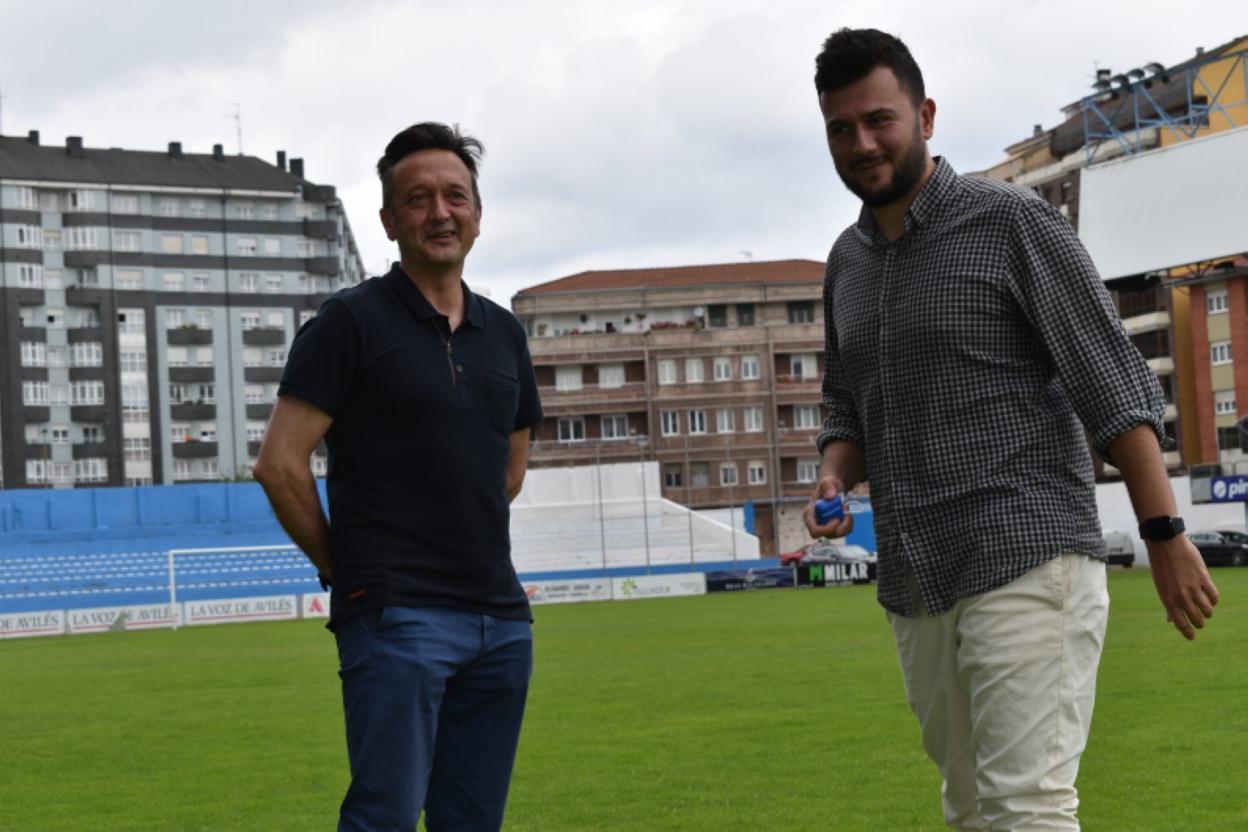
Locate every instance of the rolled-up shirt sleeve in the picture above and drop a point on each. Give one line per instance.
(841, 421)
(1108, 382)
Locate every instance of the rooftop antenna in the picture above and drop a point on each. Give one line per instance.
(238, 126)
(748, 255)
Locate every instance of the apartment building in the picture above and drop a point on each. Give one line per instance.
(147, 301)
(712, 371)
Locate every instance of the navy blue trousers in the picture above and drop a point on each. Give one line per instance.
(433, 699)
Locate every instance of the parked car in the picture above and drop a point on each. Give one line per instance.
(1120, 549)
(1222, 548)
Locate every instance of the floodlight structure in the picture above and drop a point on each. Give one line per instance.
(1126, 106)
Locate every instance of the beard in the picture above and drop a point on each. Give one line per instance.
(907, 171)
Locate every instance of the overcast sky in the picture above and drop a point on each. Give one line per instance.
(618, 134)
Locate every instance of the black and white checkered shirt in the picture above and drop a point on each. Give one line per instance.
(962, 357)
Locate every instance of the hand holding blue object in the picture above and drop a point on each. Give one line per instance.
(828, 510)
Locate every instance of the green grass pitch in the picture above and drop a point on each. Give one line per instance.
(779, 709)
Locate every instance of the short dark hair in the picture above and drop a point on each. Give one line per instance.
(428, 135)
(849, 55)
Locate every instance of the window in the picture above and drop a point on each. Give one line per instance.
(249, 282)
(801, 312)
(199, 283)
(699, 474)
(725, 420)
(29, 236)
(181, 469)
(253, 394)
(804, 366)
(272, 246)
(34, 354)
(670, 422)
(127, 240)
(51, 240)
(273, 283)
(86, 392)
(93, 469)
(131, 321)
(87, 354)
(249, 319)
(60, 435)
(84, 277)
(697, 421)
(168, 207)
(807, 470)
(1224, 403)
(57, 357)
(245, 210)
(568, 377)
(134, 396)
(276, 357)
(129, 279)
(199, 244)
(30, 275)
(252, 357)
(276, 319)
(137, 449)
(610, 375)
(1228, 439)
(80, 239)
(694, 370)
(667, 371)
(1215, 301)
(615, 426)
(306, 315)
(37, 470)
(1220, 352)
(195, 208)
(176, 356)
(179, 393)
(208, 432)
(125, 204)
(58, 394)
(255, 431)
(753, 419)
(173, 281)
(723, 368)
(206, 393)
(572, 429)
(806, 416)
(756, 472)
(246, 246)
(203, 318)
(26, 199)
(745, 314)
(55, 318)
(671, 475)
(175, 316)
(133, 361)
(171, 243)
(717, 315)
(728, 473)
(267, 210)
(750, 367)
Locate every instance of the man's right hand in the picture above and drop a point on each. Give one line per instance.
(826, 489)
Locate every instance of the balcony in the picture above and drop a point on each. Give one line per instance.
(87, 450)
(793, 334)
(594, 396)
(264, 337)
(94, 413)
(1147, 322)
(320, 229)
(192, 411)
(194, 450)
(84, 334)
(260, 375)
(188, 335)
(259, 411)
(321, 265)
(192, 375)
(1162, 366)
(87, 374)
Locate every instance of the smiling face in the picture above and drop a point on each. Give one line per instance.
(878, 137)
(432, 215)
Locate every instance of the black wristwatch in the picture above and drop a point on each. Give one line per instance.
(1157, 529)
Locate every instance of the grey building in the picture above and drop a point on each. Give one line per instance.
(146, 303)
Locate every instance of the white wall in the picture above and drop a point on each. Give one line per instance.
(1116, 514)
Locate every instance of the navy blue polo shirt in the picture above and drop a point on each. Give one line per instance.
(418, 509)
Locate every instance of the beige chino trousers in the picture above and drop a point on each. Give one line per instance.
(1003, 686)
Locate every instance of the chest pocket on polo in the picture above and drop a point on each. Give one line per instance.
(503, 400)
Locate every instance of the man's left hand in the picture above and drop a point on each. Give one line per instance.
(1183, 584)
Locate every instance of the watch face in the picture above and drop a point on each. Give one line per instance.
(1161, 528)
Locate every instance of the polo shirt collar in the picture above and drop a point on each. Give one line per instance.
(421, 308)
(925, 206)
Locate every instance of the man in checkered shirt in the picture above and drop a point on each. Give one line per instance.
(970, 342)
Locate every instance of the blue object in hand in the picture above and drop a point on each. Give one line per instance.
(828, 510)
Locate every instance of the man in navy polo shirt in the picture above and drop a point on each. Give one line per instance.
(424, 394)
